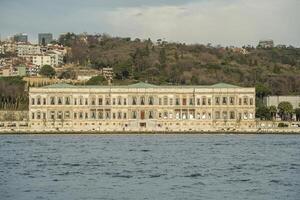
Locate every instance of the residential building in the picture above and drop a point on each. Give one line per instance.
(24, 50)
(141, 107)
(41, 60)
(45, 38)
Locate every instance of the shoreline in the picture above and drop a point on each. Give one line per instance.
(269, 132)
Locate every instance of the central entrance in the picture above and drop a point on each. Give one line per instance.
(142, 114)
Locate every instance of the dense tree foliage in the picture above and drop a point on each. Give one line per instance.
(47, 71)
(96, 80)
(273, 71)
(12, 94)
(285, 110)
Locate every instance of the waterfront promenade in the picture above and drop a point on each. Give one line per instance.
(262, 127)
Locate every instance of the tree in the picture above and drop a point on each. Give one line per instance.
(162, 57)
(262, 90)
(273, 111)
(297, 112)
(263, 113)
(48, 71)
(68, 74)
(96, 80)
(285, 110)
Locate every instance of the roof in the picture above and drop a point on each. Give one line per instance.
(59, 85)
(141, 85)
(224, 85)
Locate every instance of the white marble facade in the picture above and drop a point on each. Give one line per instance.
(141, 107)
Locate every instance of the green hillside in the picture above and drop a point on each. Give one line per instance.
(161, 62)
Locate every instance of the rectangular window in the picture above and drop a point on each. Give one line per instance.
(217, 100)
(232, 115)
(171, 101)
(231, 100)
(245, 101)
(165, 100)
(32, 101)
(67, 114)
(177, 102)
(100, 101)
(38, 101)
(198, 101)
(251, 101)
(209, 101)
(184, 101)
(191, 101)
(224, 100)
(52, 114)
(217, 113)
(59, 115)
(52, 100)
(100, 114)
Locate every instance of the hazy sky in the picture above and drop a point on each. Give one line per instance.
(225, 22)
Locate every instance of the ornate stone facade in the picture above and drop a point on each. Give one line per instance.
(141, 107)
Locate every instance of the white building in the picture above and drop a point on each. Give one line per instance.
(2, 49)
(57, 58)
(275, 100)
(142, 107)
(41, 60)
(24, 50)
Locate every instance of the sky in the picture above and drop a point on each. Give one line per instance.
(224, 22)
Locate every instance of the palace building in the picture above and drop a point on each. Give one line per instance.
(141, 107)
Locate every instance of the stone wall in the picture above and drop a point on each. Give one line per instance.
(8, 115)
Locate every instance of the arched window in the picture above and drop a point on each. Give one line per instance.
(142, 100)
(151, 100)
(59, 101)
(67, 100)
(133, 100)
(38, 102)
(232, 115)
(151, 115)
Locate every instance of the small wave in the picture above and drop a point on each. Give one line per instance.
(121, 176)
(156, 175)
(145, 150)
(195, 175)
(239, 180)
(71, 164)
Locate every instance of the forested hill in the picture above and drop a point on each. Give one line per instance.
(161, 62)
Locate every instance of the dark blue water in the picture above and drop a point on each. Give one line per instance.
(150, 167)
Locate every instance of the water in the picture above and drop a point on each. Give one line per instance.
(149, 167)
